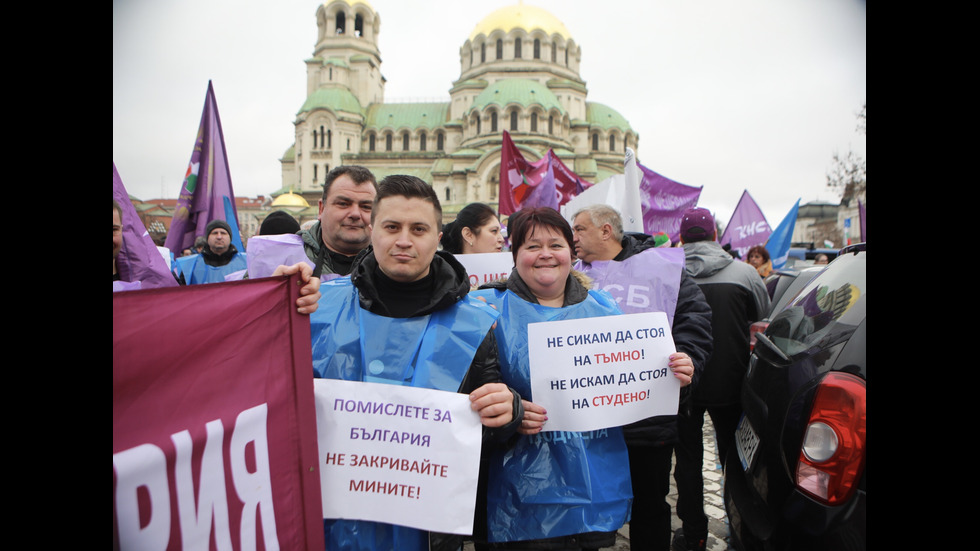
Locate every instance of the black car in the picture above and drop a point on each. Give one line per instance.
(799, 477)
(782, 285)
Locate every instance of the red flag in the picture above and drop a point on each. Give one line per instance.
(213, 419)
(513, 182)
(518, 178)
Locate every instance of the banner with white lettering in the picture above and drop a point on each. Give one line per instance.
(591, 375)
(486, 267)
(212, 419)
(398, 454)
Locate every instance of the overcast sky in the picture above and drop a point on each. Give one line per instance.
(750, 95)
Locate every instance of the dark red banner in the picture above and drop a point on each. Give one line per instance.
(213, 419)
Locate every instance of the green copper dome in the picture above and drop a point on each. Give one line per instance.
(604, 116)
(521, 91)
(334, 99)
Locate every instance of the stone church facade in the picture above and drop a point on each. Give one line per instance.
(519, 72)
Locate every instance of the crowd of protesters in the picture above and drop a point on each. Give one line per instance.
(389, 259)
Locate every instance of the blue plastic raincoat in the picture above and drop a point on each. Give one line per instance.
(553, 483)
(354, 344)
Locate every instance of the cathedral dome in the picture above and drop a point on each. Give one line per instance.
(521, 91)
(520, 16)
(290, 199)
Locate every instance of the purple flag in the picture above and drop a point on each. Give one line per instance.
(747, 228)
(664, 202)
(207, 193)
(545, 194)
(139, 260)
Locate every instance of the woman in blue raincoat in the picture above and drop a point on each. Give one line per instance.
(550, 490)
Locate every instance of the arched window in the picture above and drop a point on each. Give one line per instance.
(517, 48)
(447, 194)
(493, 121)
(595, 142)
(321, 137)
(405, 141)
(612, 142)
(371, 143)
(329, 73)
(329, 139)
(314, 173)
(566, 57)
(422, 142)
(483, 52)
(500, 48)
(358, 25)
(478, 125)
(387, 142)
(551, 124)
(534, 122)
(554, 52)
(513, 121)
(314, 138)
(340, 22)
(537, 49)
(471, 58)
(439, 141)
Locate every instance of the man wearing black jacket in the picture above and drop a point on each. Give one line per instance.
(598, 231)
(738, 298)
(401, 275)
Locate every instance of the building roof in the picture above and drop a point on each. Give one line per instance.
(406, 115)
(521, 16)
(348, 2)
(605, 116)
(522, 91)
(332, 98)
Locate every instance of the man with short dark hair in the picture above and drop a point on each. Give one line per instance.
(401, 302)
(737, 298)
(344, 226)
(655, 279)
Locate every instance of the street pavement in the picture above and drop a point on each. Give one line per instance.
(714, 504)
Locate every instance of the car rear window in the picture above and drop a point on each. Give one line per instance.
(827, 310)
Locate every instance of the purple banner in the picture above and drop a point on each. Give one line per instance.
(664, 202)
(747, 228)
(139, 259)
(646, 282)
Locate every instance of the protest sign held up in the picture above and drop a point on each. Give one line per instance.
(398, 454)
(591, 377)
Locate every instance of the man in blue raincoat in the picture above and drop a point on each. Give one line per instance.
(403, 316)
(218, 258)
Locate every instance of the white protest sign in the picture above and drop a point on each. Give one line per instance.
(396, 454)
(486, 267)
(596, 373)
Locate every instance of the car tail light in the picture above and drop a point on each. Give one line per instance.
(757, 327)
(834, 446)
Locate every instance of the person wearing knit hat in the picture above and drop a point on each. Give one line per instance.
(738, 298)
(278, 222)
(218, 258)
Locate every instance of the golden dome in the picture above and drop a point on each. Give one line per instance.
(290, 199)
(520, 16)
